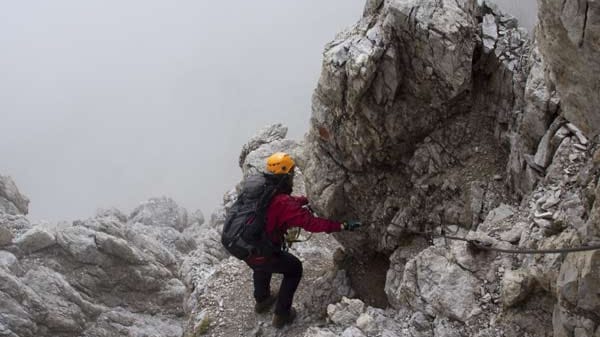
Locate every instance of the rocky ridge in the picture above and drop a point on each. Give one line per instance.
(427, 115)
(108, 275)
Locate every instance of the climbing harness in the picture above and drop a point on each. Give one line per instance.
(294, 235)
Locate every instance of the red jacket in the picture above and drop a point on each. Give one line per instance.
(286, 211)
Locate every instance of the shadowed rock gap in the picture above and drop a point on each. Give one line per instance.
(367, 274)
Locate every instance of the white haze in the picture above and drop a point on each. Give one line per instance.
(108, 103)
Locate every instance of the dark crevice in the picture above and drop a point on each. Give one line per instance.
(585, 17)
(367, 273)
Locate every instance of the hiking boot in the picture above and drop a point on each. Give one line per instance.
(280, 320)
(265, 305)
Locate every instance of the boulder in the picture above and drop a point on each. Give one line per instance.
(160, 212)
(6, 236)
(516, 287)
(118, 248)
(346, 312)
(489, 32)
(65, 307)
(9, 261)
(36, 239)
(80, 243)
(11, 200)
(436, 285)
(266, 135)
(578, 284)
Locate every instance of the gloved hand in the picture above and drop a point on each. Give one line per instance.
(351, 225)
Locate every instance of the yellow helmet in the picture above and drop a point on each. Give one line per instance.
(280, 163)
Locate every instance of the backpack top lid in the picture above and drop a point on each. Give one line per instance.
(254, 186)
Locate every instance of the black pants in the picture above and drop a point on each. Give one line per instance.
(283, 263)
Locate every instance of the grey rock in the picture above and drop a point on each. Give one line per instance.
(552, 199)
(544, 215)
(165, 244)
(569, 42)
(580, 137)
(9, 261)
(267, 135)
(353, 332)
(6, 236)
(346, 312)
(119, 322)
(443, 327)
(395, 273)
(516, 287)
(578, 284)
(567, 323)
(514, 234)
(65, 309)
(539, 110)
(80, 243)
(496, 219)
(111, 212)
(106, 224)
(436, 286)
(160, 212)
(199, 265)
(538, 113)
(489, 32)
(11, 200)
(196, 218)
(549, 144)
(366, 323)
(35, 239)
(530, 160)
(118, 247)
(317, 332)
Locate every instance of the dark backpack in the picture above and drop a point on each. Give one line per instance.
(243, 233)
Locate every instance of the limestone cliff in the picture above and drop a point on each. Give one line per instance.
(444, 114)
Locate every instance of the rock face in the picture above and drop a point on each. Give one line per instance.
(412, 112)
(445, 114)
(162, 212)
(104, 276)
(569, 35)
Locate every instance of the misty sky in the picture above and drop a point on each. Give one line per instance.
(108, 103)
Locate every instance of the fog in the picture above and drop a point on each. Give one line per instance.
(108, 103)
(524, 10)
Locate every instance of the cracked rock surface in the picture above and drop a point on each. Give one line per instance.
(427, 116)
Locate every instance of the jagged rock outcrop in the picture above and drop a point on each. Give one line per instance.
(427, 115)
(478, 141)
(412, 113)
(101, 276)
(267, 135)
(11, 200)
(569, 35)
(163, 212)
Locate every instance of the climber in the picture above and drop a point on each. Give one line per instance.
(285, 211)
